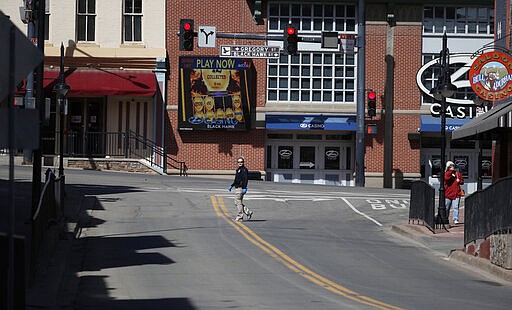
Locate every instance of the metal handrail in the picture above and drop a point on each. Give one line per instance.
(138, 145)
(49, 210)
(115, 144)
(422, 204)
(488, 211)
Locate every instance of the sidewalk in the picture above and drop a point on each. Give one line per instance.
(43, 291)
(450, 244)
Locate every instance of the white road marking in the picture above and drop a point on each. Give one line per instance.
(359, 212)
(285, 196)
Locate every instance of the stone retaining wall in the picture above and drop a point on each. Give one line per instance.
(496, 248)
(128, 165)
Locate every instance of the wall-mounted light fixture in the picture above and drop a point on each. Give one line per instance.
(391, 19)
(390, 14)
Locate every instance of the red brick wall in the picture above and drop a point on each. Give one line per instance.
(217, 150)
(406, 96)
(213, 150)
(375, 79)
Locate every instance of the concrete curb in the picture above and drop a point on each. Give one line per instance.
(410, 233)
(482, 264)
(420, 234)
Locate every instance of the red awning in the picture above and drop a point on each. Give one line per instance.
(104, 82)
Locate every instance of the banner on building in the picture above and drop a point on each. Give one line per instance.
(215, 93)
(347, 43)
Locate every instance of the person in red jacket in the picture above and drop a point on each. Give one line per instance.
(452, 190)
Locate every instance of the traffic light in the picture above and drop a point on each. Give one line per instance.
(290, 41)
(372, 103)
(186, 35)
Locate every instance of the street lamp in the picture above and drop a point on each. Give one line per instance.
(443, 89)
(61, 89)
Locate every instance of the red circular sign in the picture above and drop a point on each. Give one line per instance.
(490, 76)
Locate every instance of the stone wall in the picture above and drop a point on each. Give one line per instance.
(501, 250)
(496, 248)
(128, 165)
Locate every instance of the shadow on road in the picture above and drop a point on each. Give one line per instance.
(96, 253)
(114, 252)
(96, 297)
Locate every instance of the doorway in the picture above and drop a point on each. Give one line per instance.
(86, 136)
(301, 159)
(466, 162)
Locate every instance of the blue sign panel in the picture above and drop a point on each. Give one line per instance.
(311, 122)
(433, 124)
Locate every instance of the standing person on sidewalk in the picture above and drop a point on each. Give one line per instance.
(452, 182)
(240, 185)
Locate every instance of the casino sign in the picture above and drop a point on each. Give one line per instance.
(490, 76)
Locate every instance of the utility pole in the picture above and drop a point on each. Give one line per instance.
(388, 99)
(361, 71)
(37, 162)
(28, 19)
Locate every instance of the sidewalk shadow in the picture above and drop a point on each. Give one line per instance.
(95, 296)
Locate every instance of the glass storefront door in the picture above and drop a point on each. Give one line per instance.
(307, 160)
(310, 162)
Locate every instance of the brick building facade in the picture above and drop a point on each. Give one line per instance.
(286, 90)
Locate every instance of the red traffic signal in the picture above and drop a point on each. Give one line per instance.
(371, 129)
(290, 41)
(186, 35)
(187, 26)
(372, 103)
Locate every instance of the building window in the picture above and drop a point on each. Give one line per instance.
(312, 77)
(458, 20)
(132, 20)
(86, 19)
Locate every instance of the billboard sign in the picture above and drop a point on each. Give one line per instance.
(215, 93)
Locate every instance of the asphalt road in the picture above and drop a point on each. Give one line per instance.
(160, 242)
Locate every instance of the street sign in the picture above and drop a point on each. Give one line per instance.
(27, 56)
(249, 51)
(206, 36)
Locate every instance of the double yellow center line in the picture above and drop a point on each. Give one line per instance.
(290, 263)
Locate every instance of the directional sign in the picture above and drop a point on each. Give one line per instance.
(249, 51)
(206, 36)
(306, 164)
(27, 56)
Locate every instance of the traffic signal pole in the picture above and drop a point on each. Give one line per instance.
(361, 63)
